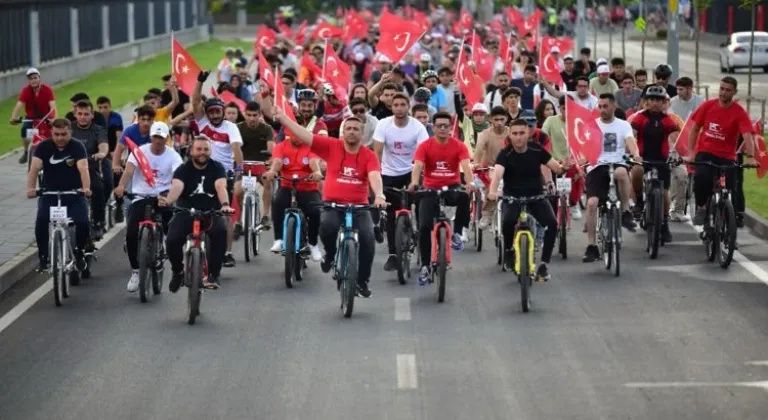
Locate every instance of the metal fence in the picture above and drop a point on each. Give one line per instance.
(39, 31)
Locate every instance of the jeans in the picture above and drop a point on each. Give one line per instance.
(181, 225)
(544, 215)
(132, 229)
(330, 223)
(428, 212)
(308, 203)
(77, 210)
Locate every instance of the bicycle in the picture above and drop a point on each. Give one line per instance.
(563, 186)
(195, 260)
(62, 244)
(441, 238)
(41, 130)
(719, 230)
(250, 216)
(476, 201)
(295, 250)
(609, 223)
(406, 240)
(524, 245)
(151, 248)
(652, 216)
(345, 265)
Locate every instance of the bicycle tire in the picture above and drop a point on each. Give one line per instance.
(562, 230)
(654, 219)
(256, 233)
(349, 278)
(616, 241)
(524, 276)
(711, 232)
(194, 277)
(57, 266)
(606, 233)
(290, 267)
(158, 268)
(146, 261)
(728, 236)
(246, 209)
(442, 264)
(478, 216)
(402, 249)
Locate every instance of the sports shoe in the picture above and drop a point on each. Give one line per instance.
(277, 246)
(133, 283)
(314, 253)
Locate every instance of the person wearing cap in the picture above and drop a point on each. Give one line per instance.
(163, 161)
(602, 61)
(555, 51)
(569, 73)
(224, 68)
(474, 124)
(385, 66)
(585, 66)
(38, 101)
(603, 82)
(425, 64)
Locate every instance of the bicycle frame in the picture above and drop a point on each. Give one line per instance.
(564, 192)
(196, 239)
(523, 227)
(294, 211)
(62, 226)
(441, 221)
(252, 170)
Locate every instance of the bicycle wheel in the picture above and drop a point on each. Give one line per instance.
(146, 263)
(255, 222)
(524, 275)
(57, 266)
(194, 278)
(349, 278)
(606, 234)
(654, 219)
(711, 232)
(290, 257)
(246, 209)
(476, 223)
(403, 248)
(562, 227)
(726, 234)
(159, 268)
(616, 241)
(442, 264)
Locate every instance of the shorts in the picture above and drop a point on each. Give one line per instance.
(24, 127)
(598, 181)
(665, 174)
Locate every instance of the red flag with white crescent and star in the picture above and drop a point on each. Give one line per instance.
(144, 166)
(584, 135)
(185, 69)
(469, 83)
(266, 73)
(761, 155)
(266, 38)
(549, 69)
(397, 36)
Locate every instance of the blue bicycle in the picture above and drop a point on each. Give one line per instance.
(295, 249)
(346, 263)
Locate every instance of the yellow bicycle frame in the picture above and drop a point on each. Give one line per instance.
(531, 245)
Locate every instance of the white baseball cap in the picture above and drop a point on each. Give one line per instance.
(32, 71)
(602, 60)
(480, 107)
(159, 129)
(555, 49)
(359, 57)
(425, 57)
(603, 69)
(384, 59)
(567, 57)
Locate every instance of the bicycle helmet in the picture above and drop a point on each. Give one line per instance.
(656, 91)
(213, 103)
(422, 94)
(328, 89)
(427, 74)
(662, 71)
(307, 95)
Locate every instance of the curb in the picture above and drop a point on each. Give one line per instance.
(756, 224)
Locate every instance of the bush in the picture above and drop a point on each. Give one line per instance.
(661, 34)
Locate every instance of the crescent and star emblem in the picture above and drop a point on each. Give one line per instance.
(402, 47)
(268, 74)
(324, 31)
(576, 124)
(185, 69)
(464, 80)
(263, 42)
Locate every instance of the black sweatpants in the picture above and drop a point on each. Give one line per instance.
(135, 216)
(428, 212)
(181, 226)
(331, 221)
(544, 215)
(308, 203)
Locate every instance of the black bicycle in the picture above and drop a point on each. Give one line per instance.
(652, 216)
(151, 242)
(609, 222)
(405, 234)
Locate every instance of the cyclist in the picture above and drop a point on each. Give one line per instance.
(38, 102)
(521, 164)
(65, 168)
(163, 161)
(292, 157)
(225, 145)
(421, 113)
(395, 141)
(714, 137)
(617, 140)
(199, 183)
(139, 135)
(441, 157)
(423, 96)
(652, 128)
(489, 143)
(331, 111)
(554, 126)
(662, 73)
(437, 98)
(306, 117)
(258, 138)
(352, 170)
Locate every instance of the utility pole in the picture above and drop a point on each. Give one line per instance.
(581, 30)
(673, 43)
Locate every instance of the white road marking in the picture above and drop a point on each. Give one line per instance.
(17, 311)
(406, 372)
(757, 363)
(402, 309)
(702, 271)
(743, 261)
(754, 384)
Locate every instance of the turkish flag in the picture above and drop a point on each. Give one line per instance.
(144, 166)
(308, 63)
(335, 71)
(355, 27)
(465, 20)
(549, 68)
(266, 38)
(584, 135)
(681, 144)
(266, 73)
(469, 83)
(514, 17)
(563, 43)
(530, 25)
(301, 33)
(508, 48)
(761, 155)
(228, 97)
(281, 102)
(397, 36)
(325, 30)
(285, 30)
(496, 27)
(484, 62)
(422, 19)
(185, 69)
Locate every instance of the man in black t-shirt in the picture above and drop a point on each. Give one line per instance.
(65, 168)
(200, 183)
(521, 165)
(94, 138)
(166, 98)
(98, 119)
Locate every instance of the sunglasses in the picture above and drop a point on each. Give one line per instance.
(358, 110)
(443, 126)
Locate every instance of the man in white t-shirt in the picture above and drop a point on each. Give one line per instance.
(226, 143)
(394, 142)
(159, 161)
(618, 139)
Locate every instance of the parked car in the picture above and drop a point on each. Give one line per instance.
(734, 52)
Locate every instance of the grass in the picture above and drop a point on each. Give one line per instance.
(123, 85)
(756, 193)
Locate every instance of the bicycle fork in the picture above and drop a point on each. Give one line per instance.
(435, 241)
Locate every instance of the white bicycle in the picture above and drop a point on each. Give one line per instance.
(62, 245)
(250, 214)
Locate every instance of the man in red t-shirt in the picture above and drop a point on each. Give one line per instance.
(333, 110)
(441, 157)
(38, 102)
(351, 170)
(714, 138)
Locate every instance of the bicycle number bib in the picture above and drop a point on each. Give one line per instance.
(564, 185)
(249, 182)
(32, 132)
(58, 213)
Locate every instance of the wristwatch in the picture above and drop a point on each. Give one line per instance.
(224, 204)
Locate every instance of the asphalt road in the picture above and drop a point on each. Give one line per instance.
(261, 351)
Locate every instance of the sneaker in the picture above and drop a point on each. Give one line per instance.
(391, 264)
(326, 264)
(97, 232)
(229, 260)
(456, 242)
(637, 210)
(666, 234)
(628, 221)
(23, 158)
(509, 259)
(378, 234)
(212, 282)
(542, 273)
(175, 283)
(277, 246)
(314, 253)
(44, 265)
(678, 216)
(265, 223)
(484, 222)
(740, 220)
(576, 212)
(592, 254)
(237, 231)
(425, 275)
(465, 235)
(363, 290)
(80, 263)
(133, 283)
(699, 217)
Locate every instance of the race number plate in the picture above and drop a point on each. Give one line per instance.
(32, 132)
(58, 213)
(564, 185)
(249, 182)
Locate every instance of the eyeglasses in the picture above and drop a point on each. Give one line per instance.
(442, 126)
(358, 110)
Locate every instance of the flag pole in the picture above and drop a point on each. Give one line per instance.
(276, 82)
(325, 58)
(172, 57)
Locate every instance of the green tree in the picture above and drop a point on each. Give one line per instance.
(698, 7)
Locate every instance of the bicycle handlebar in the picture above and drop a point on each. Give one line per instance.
(525, 200)
(731, 165)
(429, 191)
(67, 192)
(347, 207)
(198, 213)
